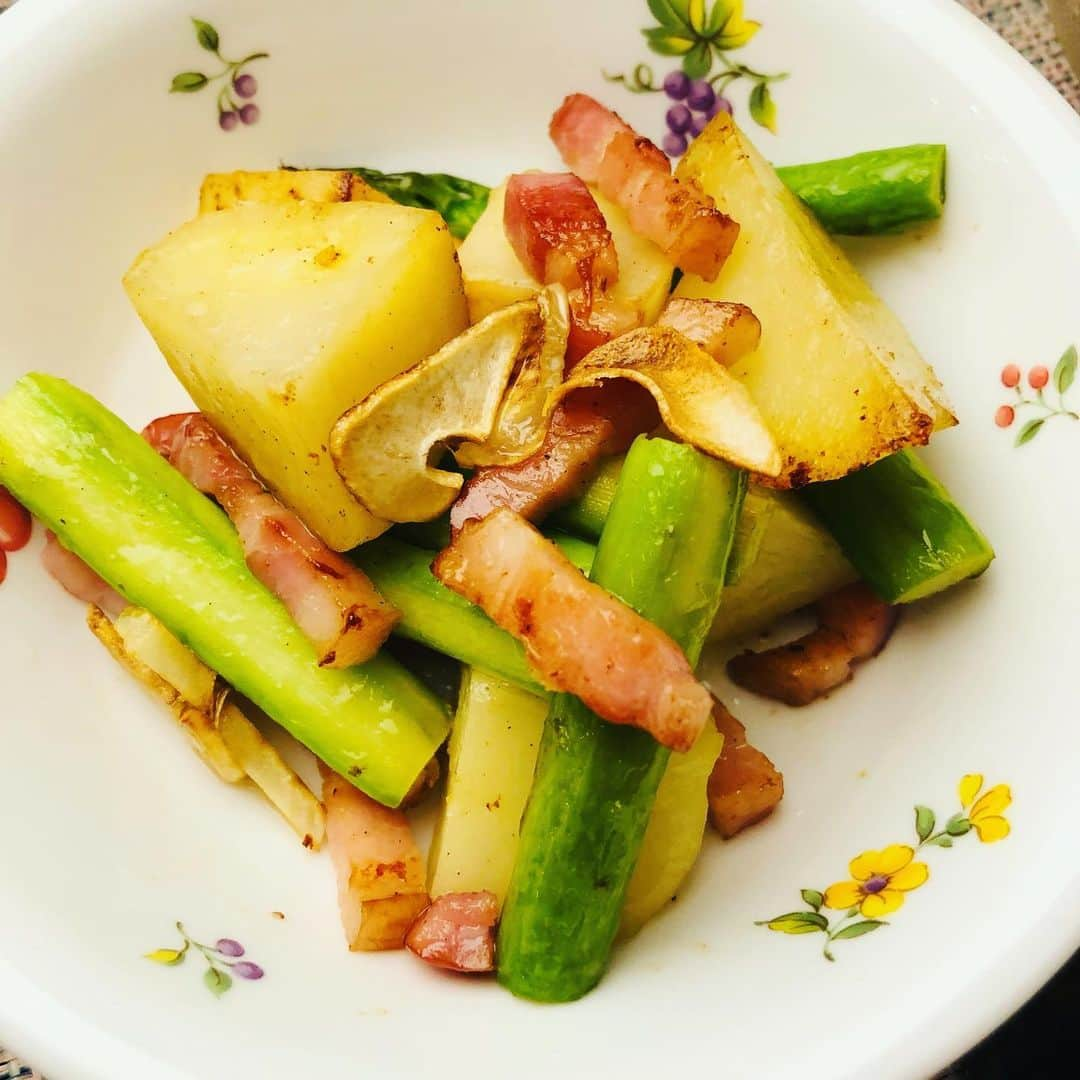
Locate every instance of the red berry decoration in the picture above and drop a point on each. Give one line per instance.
(1005, 415)
(1010, 376)
(1038, 377)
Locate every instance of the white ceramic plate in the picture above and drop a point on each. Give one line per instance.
(110, 830)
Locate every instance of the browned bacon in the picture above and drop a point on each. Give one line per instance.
(331, 600)
(853, 625)
(677, 216)
(557, 231)
(744, 786)
(457, 932)
(588, 424)
(380, 871)
(577, 636)
(726, 331)
(559, 234)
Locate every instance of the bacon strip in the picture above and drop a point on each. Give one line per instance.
(331, 600)
(559, 234)
(726, 331)
(457, 932)
(78, 579)
(677, 216)
(585, 426)
(379, 868)
(577, 636)
(853, 626)
(745, 786)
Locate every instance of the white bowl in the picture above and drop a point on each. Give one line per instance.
(111, 831)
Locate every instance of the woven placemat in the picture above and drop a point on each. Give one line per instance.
(1026, 25)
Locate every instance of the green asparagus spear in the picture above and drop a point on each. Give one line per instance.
(165, 547)
(596, 782)
(437, 617)
(585, 516)
(880, 191)
(900, 528)
(461, 202)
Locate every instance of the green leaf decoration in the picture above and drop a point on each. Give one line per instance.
(668, 42)
(867, 926)
(1065, 372)
(762, 106)
(797, 922)
(169, 957)
(697, 62)
(851, 911)
(924, 822)
(187, 82)
(207, 36)
(697, 17)
(942, 841)
(813, 898)
(1029, 431)
(673, 14)
(217, 982)
(957, 825)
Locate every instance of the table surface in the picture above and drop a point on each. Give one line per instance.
(1045, 1032)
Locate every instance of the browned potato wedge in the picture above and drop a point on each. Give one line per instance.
(221, 191)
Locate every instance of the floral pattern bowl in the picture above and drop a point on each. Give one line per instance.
(926, 843)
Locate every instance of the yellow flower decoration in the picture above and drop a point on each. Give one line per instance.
(986, 811)
(880, 880)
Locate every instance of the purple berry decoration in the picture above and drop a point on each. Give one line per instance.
(674, 145)
(249, 113)
(721, 104)
(228, 119)
(697, 124)
(247, 970)
(229, 947)
(245, 85)
(678, 119)
(701, 95)
(676, 85)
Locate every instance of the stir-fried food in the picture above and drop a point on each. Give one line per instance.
(587, 425)
(380, 871)
(630, 170)
(853, 626)
(360, 373)
(745, 786)
(457, 932)
(330, 599)
(578, 637)
(77, 578)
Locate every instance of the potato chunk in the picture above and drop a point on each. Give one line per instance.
(222, 191)
(494, 276)
(836, 376)
(278, 318)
